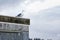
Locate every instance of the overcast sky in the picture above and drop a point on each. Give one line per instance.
(44, 16)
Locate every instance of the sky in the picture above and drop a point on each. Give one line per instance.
(44, 16)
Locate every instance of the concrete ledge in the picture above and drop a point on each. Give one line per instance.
(14, 20)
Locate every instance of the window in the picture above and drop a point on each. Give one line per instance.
(16, 27)
(4, 26)
(0, 25)
(19, 34)
(8, 26)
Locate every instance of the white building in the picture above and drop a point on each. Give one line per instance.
(12, 28)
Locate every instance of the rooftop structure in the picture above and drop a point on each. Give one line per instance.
(13, 28)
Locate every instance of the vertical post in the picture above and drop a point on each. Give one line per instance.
(25, 35)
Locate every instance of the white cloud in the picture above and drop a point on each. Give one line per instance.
(32, 7)
(37, 5)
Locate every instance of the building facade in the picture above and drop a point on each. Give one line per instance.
(12, 28)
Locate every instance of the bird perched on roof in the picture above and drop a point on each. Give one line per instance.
(20, 14)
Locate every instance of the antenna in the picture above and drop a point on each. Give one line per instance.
(20, 14)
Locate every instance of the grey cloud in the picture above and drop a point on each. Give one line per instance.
(8, 7)
(43, 21)
(9, 3)
(3, 2)
(50, 14)
(43, 24)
